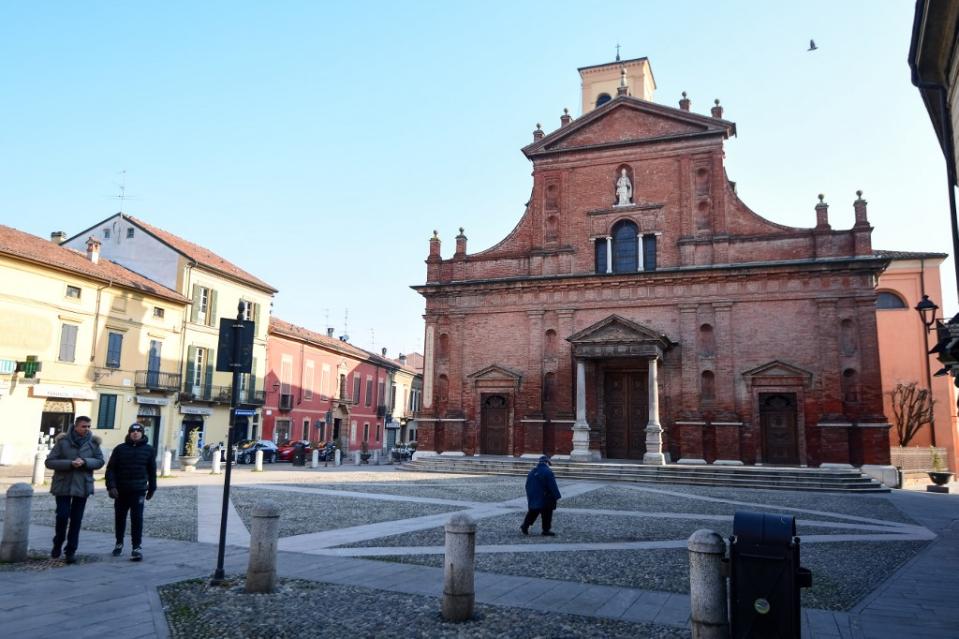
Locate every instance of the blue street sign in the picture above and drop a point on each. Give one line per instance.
(245, 412)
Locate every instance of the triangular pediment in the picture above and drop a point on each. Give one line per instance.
(495, 372)
(619, 330)
(777, 368)
(625, 121)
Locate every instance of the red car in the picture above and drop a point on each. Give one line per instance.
(284, 452)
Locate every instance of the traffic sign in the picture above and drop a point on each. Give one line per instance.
(245, 412)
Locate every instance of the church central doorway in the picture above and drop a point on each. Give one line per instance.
(494, 422)
(626, 407)
(777, 418)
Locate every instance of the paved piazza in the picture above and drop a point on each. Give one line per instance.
(362, 550)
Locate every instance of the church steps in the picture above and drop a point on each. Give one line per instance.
(760, 477)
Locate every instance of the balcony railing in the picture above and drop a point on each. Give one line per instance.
(157, 381)
(220, 395)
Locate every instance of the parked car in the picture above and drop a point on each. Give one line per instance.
(284, 452)
(246, 451)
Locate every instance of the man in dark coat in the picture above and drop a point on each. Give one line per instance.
(542, 493)
(131, 478)
(73, 458)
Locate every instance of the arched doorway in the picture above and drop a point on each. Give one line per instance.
(494, 422)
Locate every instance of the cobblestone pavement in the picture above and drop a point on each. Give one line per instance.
(619, 556)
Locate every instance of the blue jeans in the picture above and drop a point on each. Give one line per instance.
(69, 510)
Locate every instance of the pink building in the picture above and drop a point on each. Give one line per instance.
(321, 388)
(902, 348)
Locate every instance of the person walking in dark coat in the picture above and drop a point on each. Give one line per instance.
(131, 479)
(73, 458)
(542, 493)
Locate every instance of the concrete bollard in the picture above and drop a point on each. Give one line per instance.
(707, 585)
(16, 523)
(167, 464)
(215, 468)
(376, 457)
(315, 461)
(38, 468)
(337, 457)
(259, 462)
(264, 531)
(356, 457)
(459, 593)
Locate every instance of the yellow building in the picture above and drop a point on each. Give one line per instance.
(215, 288)
(80, 335)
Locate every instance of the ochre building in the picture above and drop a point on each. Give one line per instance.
(640, 310)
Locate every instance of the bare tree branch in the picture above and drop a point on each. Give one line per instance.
(912, 408)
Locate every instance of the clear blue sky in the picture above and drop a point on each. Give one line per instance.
(318, 144)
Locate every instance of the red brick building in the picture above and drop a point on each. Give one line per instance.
(320, 388)
(641, 310)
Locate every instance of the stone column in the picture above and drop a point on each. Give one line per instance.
(639, 253)
(609, 254)
(16, 524)
(259, 462)
(707, 585)
(215, 467)
(167, 464)
(459, 593)
(264, 531)
(581, 426)
(315, 462)
(654, 432)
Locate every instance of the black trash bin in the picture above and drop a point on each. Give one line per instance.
(299, 454)
(765, 577)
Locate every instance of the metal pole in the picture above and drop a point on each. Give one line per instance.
(218, 576)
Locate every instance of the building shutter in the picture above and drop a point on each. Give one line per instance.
(251, 393)
(211, 310)
(208, 376)
(256, 316)
(68, 343)
(195, 308)
(190, 369)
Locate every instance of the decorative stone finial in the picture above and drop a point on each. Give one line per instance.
(716, 101)
(859, 194)
(436, 235)
(539, 127)
(461, 230)
(565, 111)
(821, 198)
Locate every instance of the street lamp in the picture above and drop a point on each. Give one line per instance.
(927, 315)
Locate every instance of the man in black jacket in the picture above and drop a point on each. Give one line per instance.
(131, 478)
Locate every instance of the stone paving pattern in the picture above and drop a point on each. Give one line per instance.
(915, 528)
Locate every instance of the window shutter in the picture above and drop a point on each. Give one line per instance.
(252, 383)
(211, 312)
(208, 377)
(68, 343)
(190, 368)
(195, 309)
(256, 316)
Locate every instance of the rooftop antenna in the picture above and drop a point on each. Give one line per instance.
(123, 197)
(345, 337)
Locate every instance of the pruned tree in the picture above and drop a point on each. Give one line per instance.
(912, 408)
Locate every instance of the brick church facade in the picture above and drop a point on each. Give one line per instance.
(640, 310)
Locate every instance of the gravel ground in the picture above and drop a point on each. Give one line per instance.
(171, 514)
(571, 527)
(842, 572)
(479, 489)
(302, 513)
(303, 609)
(40, 560)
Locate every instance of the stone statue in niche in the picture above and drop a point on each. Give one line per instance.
(624, 190)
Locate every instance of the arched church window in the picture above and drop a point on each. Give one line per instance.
(886, 300)
(602, 99)
(551, 343)
(847, 337)
(625, 247)
(707, 341)
(707, 386)
(444, 346)
(850, 386)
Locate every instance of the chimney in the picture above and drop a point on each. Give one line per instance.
(57, 237)
(93, 250)
(435, 245)
(329, 331)
(565, 119)
(684, 103)
(860, 207)
(822, 214)
(538, 133)
(717, 111)
(460, 244)
(402, 359)
(384, 351)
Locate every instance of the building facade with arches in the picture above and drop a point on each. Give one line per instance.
(640, 310)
